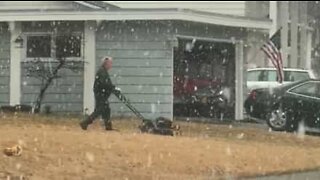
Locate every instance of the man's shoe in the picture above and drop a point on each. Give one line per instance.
(83, 125)
(108, 126)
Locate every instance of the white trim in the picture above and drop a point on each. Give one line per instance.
(25, 48)
(83, 3)
(169, 14)
(206, 39)
(308, 64)
(285, 69)
(239, 84)
(173, 43)
(273, 11)
(172, 81)
(53, 36)
(89, 65)
(15, 64)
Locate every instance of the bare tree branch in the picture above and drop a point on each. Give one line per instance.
(46, 72)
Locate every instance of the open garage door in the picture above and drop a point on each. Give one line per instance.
(204, 78)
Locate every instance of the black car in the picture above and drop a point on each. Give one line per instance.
(288, 105)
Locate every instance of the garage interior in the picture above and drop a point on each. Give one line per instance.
(202, 68)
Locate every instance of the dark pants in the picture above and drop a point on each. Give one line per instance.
(101, 109)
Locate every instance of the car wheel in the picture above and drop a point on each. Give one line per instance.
(280, 120)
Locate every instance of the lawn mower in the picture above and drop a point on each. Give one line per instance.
(160, 125)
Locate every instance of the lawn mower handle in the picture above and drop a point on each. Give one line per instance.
(123, 99)
(157, 126)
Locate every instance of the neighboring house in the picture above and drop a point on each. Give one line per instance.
(298, 33)
(142, 42)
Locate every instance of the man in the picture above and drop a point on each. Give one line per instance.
(103, 88)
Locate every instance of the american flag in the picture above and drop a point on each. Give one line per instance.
(272, 50)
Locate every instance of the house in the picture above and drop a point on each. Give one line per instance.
(142, 42)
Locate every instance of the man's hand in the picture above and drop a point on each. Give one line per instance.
(117, 91)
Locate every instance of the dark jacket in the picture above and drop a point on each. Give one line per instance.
(103, 86)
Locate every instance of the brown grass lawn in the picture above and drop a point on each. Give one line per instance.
(56, 148)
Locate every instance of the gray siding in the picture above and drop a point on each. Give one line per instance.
(142, 52)
(142, 65)
(4, 64)
(66, 93)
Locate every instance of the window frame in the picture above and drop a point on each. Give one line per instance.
(75, 35)
(53, 44)
(39, 35)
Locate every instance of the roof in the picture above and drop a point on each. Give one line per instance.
(16, 6)
(138, 14)
(221, 7)
(97, 5)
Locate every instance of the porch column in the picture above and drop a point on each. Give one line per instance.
(15, 63)
(304, 44)
(284, 17)
(89, 66)
(308, 64)
(294, 8)
(240, 82)
(273, 11)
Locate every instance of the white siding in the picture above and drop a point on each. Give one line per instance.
(221, 7)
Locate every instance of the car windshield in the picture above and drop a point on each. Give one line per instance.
(271, 75)
(295, 76)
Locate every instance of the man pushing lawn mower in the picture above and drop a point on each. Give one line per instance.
(102, 88)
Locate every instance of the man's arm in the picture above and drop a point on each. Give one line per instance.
(113, 89)
(105, 82)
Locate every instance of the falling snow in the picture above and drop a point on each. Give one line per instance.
(189, 70)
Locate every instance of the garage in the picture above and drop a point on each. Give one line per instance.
(204, 78)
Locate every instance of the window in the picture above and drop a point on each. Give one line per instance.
(308, 89)
(272, 75)
(68, 46)
(295, 76)
(42, 46)
(253, 75)
(39, 46)
(263, 76)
